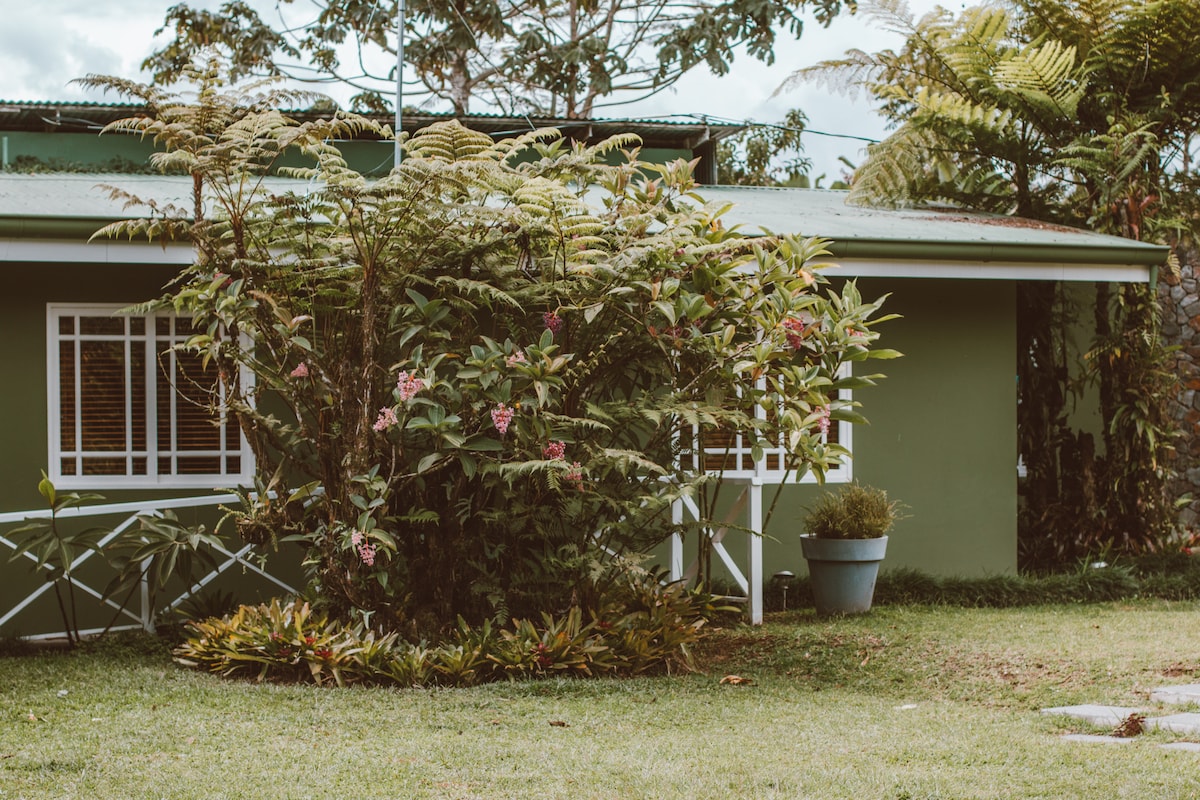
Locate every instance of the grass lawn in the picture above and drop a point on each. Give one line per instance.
(909, 702)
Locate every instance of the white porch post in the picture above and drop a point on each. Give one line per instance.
(754, 555)
(147, 611)
(676, 542)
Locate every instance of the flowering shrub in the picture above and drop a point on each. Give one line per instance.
(471, 375)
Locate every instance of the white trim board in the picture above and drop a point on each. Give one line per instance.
(98, 252)
(984, 270)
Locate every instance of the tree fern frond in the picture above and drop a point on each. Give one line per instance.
(971, 45)
(943, 108)
(892, 168)
(848, 76)
(466, 287)
(1045, 76)
(450, 142)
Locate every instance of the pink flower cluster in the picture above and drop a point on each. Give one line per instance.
(301, 370)
(824, 420)
(541, 653)
(501, 417)
(795, 332)
(516, 358)
(366, 550)
(407, 386)
(387, 418)
(575, 474)
(552, 321)
(555, 451)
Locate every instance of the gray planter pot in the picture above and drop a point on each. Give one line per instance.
(842, 572)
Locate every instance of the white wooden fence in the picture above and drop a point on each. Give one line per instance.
(142, 615)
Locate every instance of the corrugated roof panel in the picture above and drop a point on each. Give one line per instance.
(824, 212)
(858, 232)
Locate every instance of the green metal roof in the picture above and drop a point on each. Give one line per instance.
(73, 206)
(929, 233)
(685, 132)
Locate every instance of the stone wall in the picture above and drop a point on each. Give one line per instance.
(1179, 295)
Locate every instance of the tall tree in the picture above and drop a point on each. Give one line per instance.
(543, 57)
(1075, 111)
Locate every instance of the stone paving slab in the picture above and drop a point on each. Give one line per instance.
(1177, 695)
(1104, 716)
(1191, 747)
(1179, 723)
(1092, 738)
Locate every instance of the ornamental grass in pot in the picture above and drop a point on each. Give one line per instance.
(845, 539)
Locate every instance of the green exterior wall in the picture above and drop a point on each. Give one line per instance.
(942, 434)
(28, 288)
(24, 438)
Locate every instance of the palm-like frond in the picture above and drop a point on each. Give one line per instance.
(1045, 79)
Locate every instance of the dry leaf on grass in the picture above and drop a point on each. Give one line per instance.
(737, 680)
(1133, 725)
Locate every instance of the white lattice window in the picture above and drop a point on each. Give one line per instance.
(127, 411)
(731, 453)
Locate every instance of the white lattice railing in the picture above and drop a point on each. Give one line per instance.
(750, 581)
(143, 615)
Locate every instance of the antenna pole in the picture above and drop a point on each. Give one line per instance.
(399, 77)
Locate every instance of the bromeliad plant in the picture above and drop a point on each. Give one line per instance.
(470, 377)
(58, 550)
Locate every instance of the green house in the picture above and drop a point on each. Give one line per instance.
(92, 401)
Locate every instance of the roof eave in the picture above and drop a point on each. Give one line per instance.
(954, 269)
(15, 227)
(1137, 254)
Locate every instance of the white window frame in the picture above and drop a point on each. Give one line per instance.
(152, 479)
(842, 473)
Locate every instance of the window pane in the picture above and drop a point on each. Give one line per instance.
(137, 372)
(96, 326)
(67, 466)
(102, 395)
(199, 465)
(195, 428)
(66, 394)
(233, 439)
(103, 466)
(66, 324)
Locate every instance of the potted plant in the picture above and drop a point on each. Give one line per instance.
(845, 539)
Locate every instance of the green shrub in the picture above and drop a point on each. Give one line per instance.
(1088, 585)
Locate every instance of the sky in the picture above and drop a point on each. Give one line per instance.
(44, 44)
